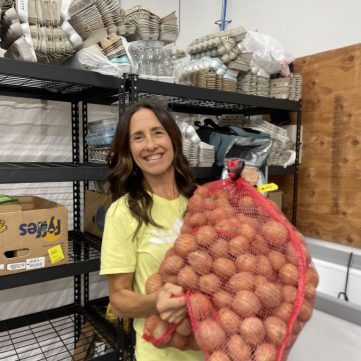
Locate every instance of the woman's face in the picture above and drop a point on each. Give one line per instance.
(150, 144)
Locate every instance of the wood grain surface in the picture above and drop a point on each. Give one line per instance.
(329, 203)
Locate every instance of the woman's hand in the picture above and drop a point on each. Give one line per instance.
(250, 175)
(170, 303)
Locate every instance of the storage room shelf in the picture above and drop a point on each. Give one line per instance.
(190, 99)
(62, 172)
(42, 81)
(84, 257)
(51, 172)
(126, 335)
(50, 334)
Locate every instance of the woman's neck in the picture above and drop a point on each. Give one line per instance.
(163, 186)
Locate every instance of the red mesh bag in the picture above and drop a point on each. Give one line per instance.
(248, 276)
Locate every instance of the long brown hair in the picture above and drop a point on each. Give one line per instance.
(125, 177)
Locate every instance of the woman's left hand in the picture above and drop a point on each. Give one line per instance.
(250, 175)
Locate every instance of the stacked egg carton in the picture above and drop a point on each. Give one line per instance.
(146, 24)
(112, 46)
(33, 31)
(295, 87)
(253, 84)
(169, 28)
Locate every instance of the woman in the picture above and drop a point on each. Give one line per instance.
(150, 182)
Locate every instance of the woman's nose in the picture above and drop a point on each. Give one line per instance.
(150, 143)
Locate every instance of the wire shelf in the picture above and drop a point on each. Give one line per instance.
(84, 257)
(50, 336)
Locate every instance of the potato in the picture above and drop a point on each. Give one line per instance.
(226, 228)
(259, 246)
(172, 265)
(201, 306)
(195, 203)
(224, 267)
(202, 191)
(292, 255)
(205, 236)
(209, 283)
(275, 233)
(288, 274)
(229, 320)
(266, 352)
(210, 335)
(150, 323)
(185, 244)
(196, 219)
(187, 278)
(264, 267)
(222, 299)
(159, 331)
(219, 248)
(283, 312)
(289, 294)
(184, 328)
(154, 283)
(246, 230)
(269, 294)
(238, 348)
(312, 277)
(306, 311)
(238, 245)
(246, 304)
(275, 329)
(241, 281)
(178, 341)
(277, 259)
(200, 261)
(218, 356)
(246, 262)
(252, 330)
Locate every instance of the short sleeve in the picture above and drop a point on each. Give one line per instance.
(119, 250)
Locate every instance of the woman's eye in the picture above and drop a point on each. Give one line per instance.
(136, 138)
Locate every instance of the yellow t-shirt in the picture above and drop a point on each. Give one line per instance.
(120, 254)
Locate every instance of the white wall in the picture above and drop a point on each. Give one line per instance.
(303, 27)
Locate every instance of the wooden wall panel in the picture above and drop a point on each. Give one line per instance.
(329, 204)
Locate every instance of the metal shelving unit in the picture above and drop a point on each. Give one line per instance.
(70, 331)
(190, 99)
(40, 81)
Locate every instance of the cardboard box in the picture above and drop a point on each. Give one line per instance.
(96, 206)
(33, 235)
(277, 197)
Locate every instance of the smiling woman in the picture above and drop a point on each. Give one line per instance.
(150, 182)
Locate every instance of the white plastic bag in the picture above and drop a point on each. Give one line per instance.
(92, 58)
(269, 56)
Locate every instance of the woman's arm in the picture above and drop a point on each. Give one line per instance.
(167, 301)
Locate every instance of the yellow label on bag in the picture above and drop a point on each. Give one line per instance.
(269, 187)
(56, 254)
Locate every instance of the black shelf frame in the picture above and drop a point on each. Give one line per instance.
(50, 82)
(37, 172)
